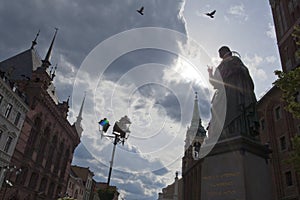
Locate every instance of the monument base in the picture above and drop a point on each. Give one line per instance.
(236, 169)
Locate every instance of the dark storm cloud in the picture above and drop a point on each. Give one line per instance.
(136, 58)
(82, 24)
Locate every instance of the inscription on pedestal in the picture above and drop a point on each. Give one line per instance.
(222, 177)
(222, 185)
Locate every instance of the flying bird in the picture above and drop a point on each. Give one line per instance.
(211, 14)
(141, 10)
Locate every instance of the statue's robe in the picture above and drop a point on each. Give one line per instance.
(233, 104)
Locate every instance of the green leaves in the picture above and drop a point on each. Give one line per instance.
(289, 82)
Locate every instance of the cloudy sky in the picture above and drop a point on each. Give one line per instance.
(147, 67)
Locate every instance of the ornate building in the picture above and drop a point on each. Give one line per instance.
(191, 165)
(47, 140)
(277, 126)
(13, 110)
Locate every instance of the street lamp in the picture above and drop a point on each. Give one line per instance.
(119, 133)
(7, 182)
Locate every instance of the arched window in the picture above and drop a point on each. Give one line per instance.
(43, 145)
(43, 185)
(51, 189)
(32, 139)
(51, 150)
(33, 180)
(64, 163)
(59, 158)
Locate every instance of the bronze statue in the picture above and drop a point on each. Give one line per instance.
(233, 105)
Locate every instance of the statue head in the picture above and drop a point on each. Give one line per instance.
(224, 51)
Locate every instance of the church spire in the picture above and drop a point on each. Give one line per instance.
(196, 129)
(79, 117)
(34, 42)
(46, 61)
(196, 115)
(77, 124)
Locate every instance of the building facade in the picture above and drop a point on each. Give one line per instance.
(76, 186)
(286, 14)
(47, 141)
(277, 126)
(86, 175)
(13, 109)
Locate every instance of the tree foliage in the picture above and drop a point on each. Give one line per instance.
(289, 82)
(106, 194)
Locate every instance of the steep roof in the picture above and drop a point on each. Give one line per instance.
(82, 172)
(22, 65)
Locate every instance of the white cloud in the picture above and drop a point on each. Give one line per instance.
(238, 12)
(271, 31)
(254, 65)
(271, 59)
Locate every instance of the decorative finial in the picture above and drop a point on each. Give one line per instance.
(53, 74)
(68, 99)
(34, 42)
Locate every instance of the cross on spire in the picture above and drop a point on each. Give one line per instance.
(34, 42)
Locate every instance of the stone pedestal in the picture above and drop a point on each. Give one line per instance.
(236, 169)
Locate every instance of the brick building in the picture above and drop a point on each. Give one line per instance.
(286, 14)
(47, 140)
(277, 126)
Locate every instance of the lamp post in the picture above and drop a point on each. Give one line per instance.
(9, 170)
(119, 133)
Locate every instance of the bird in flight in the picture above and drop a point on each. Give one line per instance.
(211, 14)
(141, 10)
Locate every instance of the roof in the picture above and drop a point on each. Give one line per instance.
(21, 65)
(82, 172)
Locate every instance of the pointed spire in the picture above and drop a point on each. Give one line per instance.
(46, 61)
(79, 117)
(77, 124)
(34, 42)
(196, 115)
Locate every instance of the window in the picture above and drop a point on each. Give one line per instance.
(1, 98)
(277, 113)
(288, 178)
(17, 119)
(298, 133)
(8, 110)
(8, 143)
(282, 143)
(1, 132)
(262, 124)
